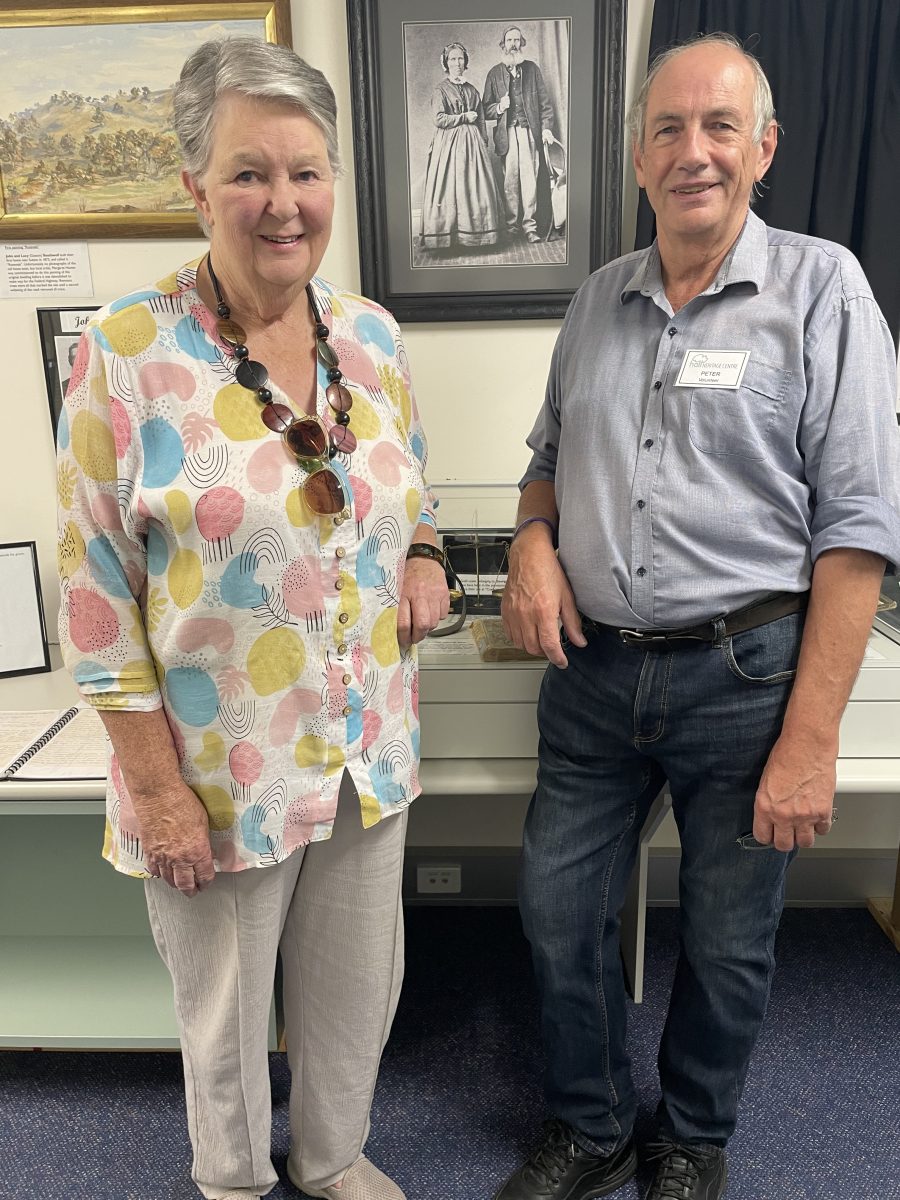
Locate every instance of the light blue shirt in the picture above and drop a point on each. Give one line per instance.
(678, 504)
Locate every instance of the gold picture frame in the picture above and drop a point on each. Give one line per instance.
(78, 165)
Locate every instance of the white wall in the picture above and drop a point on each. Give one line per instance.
(491, 373)
(485, 376)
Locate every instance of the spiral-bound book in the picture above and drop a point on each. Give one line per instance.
(51, 745)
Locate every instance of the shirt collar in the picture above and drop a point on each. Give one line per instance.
(745, 262)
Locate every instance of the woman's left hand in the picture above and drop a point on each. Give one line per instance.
(424, 600)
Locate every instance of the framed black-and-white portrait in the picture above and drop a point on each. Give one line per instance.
(61, 330)
(488, 152)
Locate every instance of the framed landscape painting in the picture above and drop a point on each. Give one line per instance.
(87, 147)
(488, 139)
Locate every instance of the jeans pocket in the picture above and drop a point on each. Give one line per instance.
(767, 654)
(748, 842)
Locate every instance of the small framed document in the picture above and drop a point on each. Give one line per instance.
(23, 632)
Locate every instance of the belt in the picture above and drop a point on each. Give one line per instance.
(761, 612)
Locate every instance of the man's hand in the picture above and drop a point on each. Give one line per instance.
(424, 600)
(174, 831)
(503, 104)
(537, 595)
(796, 793)
(548, 137)
(471, 116)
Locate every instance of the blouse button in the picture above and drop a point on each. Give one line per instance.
(339, 520)
(340, 552)
(347, 710)
(345, 679)
(339, 583)
(342, 648)
(343, 618)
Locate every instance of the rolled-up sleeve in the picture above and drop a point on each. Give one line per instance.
(102, 554)
(849, 435)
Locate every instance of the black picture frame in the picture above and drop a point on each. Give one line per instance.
(60, 330)
(24, 649)
(395, 66)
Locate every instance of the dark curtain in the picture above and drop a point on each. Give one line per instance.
(834, 67)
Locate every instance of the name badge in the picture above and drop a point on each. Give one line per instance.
(713, 368)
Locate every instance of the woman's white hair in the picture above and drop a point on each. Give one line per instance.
(763, 105)
(253, 68)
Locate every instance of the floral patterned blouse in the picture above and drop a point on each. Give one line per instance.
(195, 578)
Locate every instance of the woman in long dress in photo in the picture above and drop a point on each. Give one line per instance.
(460, 202)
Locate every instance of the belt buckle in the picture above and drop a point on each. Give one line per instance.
(640, 637)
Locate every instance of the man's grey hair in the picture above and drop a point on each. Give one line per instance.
(252, 68)
(763, 105)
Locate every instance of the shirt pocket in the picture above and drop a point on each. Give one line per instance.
(737, 422)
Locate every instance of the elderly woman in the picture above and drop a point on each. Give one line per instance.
(460, 202)
(248, 555)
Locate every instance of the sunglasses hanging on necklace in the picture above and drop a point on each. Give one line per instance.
(307, 437)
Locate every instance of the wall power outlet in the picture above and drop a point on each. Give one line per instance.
(439, 877)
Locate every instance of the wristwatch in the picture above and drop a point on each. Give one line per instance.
(426, 550)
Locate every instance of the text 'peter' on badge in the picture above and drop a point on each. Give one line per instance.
(713, 368)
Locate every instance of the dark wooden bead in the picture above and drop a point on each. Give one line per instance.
(342, 418)
(278, 417)
(264, 394)
(241, 352)
(327, 356)
(321, 330)
(334, 375)
(338, 397)
(231, 332)
(251, 374)
(223, 310)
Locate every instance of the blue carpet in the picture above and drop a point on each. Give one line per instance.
(459, 1097)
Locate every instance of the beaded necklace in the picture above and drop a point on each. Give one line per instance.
(308, 439)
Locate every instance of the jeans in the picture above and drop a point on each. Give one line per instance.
(615, 726)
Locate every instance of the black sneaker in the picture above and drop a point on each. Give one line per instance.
(560, 1170)
(687, 1172)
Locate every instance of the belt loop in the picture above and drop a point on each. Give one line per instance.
(719, 634)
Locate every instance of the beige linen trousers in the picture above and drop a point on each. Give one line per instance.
(334, 911)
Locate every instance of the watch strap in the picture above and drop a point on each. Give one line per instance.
(426, 550)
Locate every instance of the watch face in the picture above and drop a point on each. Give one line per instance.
(426, 550)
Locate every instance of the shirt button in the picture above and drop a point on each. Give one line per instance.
(342, 648)
(339, 583)
(340, 552)
(345, 679)
(648, 443)
(657, 385)
(642, 571)
(672, 331)
(347, 710)
(640, 503)
(343, 618)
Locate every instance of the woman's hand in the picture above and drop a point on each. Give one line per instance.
(424, 600)
(174, 832)
(471, 116)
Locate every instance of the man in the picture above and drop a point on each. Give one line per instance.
(515, 97)
(718, 457)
